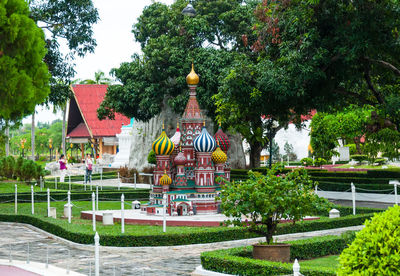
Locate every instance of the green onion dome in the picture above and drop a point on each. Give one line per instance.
(165, 180)
(163, 145)
(218, 156)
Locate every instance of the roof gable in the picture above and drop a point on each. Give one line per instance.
(88, 98)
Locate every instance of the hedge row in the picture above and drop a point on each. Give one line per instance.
(368, 188)
(359, 180)
(217, 235)
(239, 261)
(227, 261)
(104, 195)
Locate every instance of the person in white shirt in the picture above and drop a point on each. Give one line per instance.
(89, 168)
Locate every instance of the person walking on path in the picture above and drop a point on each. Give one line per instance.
(89, 168)
(63, 167)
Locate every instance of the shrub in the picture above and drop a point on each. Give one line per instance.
(395, 173)
(380, 161)
(307, 161)
(375, 251)
(7, 167)
(319, 162)
(151, 158)
(269, 198)
(352, 148)
(42, 158)
(127, 175)
(18, 167)
(30, 170)
(359, 158)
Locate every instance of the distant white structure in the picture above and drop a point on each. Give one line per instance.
(124, 142)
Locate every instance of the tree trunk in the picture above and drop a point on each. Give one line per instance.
(63, 129)
(255, 152)
(357, 141)
(7, 141)
(33, 136)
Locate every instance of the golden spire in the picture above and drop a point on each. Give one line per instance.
(163, 125)
(192, 78)
(204, 122)
(177, 124)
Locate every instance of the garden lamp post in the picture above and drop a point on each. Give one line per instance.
(189, 10)
(50, 147)
(23, 141)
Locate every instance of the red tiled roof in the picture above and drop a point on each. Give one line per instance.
(89, 98)
(80, 131)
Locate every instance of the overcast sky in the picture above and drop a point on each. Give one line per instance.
(115, 43)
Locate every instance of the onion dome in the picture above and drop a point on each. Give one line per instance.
(176, 139)
(204, 142)
(165, 180)
(222, 139)
(192, 78)
(218, 156)
(180, 159)
(163, 145)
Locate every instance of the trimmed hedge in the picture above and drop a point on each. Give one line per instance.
(228, 261)
(395, 173)
(139, 194)
(372, 188)
(239, 261)
(221, 234)
(360, 180)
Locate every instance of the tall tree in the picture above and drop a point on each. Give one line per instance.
(99, 78)
(332, 53)
(72, 22)
(24, 77)
(170, 42)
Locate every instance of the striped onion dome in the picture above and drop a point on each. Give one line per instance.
(165, 179)
(204, 142)
(218, 156)
(222, 139)
(176, 139)
(163, 145)
(180, 159)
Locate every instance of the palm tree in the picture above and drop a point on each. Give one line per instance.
(99, 78)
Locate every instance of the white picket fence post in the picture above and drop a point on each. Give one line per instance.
(122, 214)
(94, 212)
(69, 207)
(164, 213)
(16, 199)
(32, 200)
(48, 202)
(353, 196)
(395, 183)
(96, 254)
(97, 197)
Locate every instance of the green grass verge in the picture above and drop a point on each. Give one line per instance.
(80, 231)
(323, 262)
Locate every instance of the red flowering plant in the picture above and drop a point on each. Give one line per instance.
(260, 202)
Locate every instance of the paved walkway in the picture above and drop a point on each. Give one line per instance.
(165, 260)
(114, 182)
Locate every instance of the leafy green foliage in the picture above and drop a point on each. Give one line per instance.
(266, 199)
(307, 161)
(319, 162)
(25, 170)
(151, 157)
(71, 21)
(24, 76)
(376, 249)
(359, 157)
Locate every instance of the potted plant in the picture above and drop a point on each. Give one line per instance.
(262, 201)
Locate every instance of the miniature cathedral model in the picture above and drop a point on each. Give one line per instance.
(189, 164)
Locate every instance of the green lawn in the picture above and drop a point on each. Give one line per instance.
(9, 187)
(324, 262)
(85, 226)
